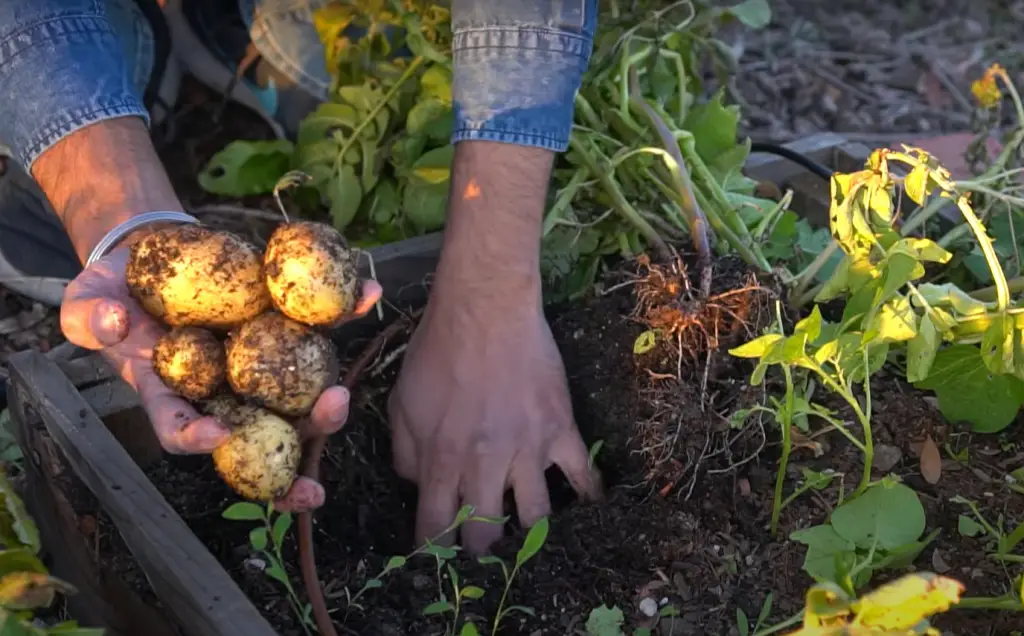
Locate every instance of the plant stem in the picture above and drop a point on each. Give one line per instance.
(619, 202)
(372, 115)
(1002, 603)
(504, 596)
(789, 622)
(787, 447)
(806, 277)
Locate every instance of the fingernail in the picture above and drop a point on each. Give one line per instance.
(109, 323)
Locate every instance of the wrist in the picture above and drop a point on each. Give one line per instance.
(496, 207)
(102, 175)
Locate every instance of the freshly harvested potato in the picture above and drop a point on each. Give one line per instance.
(189, 275)
(311, 273)
(190, 360)
(261, 458)
(280, 363)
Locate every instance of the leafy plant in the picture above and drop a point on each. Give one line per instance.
(532, 544)
(25, 584)
(267, 540)
(879, 529)
(379, 151)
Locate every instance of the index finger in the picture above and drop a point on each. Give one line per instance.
(570, 454)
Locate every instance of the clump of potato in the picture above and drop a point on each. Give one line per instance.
(189, 275)
(311, 273)
(190, 360)
(280, 363)
(203, 283)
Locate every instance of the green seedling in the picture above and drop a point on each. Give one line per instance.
(532, 544)
(743, 623)
(431, 547)
(978, 525)
(267, 540)
(880, 529)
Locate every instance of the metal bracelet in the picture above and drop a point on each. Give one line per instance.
(122, 230)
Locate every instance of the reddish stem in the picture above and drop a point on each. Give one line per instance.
(311, 469)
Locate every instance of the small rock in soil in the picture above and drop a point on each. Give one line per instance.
(886, 457)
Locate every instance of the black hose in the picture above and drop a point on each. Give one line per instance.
(817, 168)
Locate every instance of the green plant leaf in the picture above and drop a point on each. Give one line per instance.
(436, 83)
(824, 544)
(968, 527)
(346, 194)
(16, 526)
(742, 622)
(968, 392)
(755, 14)
(713, 125)
(473, 592)
(895, 321)
(329, 119)
(245, 168)
(811, 325)
(900, 606)
(276, 572)
(890, 513)
(758, 347)
(395, 563)
(534, 541)
(281, 526)
(424, 114)
(469, 629)
(258, 538)
(605, 621)
(244, 511)
(425, 205)
(441, 552)
(20, 560)
(437, 607)
(922, 349)
(435, 166)
(645, 342)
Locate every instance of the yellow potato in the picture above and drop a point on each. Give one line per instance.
(311, 273)
(261, 458)
(280, 363)
(189, 275)
(191, 361)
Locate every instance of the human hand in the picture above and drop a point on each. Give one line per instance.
(99, 314)
(482, 405)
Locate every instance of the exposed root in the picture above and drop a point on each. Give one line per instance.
(668, 304)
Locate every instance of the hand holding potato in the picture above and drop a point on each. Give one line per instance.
(99, 313)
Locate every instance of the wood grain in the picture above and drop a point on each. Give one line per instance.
(184, 575)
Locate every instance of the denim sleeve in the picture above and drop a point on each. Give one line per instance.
(517, 68)
(62, 67)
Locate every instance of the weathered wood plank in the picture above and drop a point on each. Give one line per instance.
(103, 599)
(184, 575)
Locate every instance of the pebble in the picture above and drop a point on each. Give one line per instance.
(649, 607)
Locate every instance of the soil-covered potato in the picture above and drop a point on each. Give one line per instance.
(280, 363)
(261, 458)
(311, 273)
(189, 275)
(190, 360)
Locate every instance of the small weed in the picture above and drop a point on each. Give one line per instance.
(743, 623)
(534, 541)
(267, 539)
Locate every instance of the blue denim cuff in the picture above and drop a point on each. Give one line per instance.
(517, 69)
(62, 67)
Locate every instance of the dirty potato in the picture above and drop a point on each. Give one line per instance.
(261, 458)
(280, 363)
(311, 273)
(191, 361)
(189, 275)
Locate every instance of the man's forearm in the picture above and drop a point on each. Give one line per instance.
(517, 68)
(101, 175)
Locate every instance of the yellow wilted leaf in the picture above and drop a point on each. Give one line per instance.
(30, 590)
(907, 601)
(985, 90)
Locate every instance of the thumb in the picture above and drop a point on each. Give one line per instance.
(94, 323)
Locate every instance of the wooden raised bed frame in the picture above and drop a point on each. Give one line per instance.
(82, 428)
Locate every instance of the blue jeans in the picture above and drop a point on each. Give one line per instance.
(66, 64)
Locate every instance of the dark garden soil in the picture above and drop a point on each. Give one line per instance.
(685, 522)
